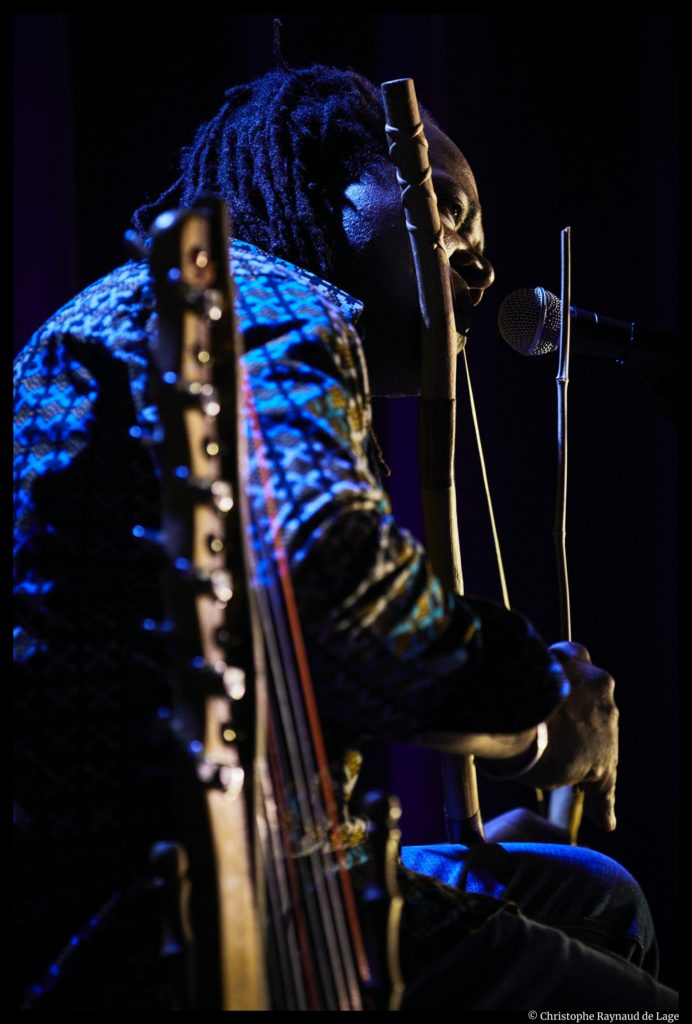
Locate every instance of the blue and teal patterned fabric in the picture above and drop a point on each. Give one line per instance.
(373, 610)
(383, 636)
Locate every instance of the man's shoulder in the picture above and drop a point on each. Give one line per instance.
(274, 300)
(300, 319)
(117, 305)
(277, 287)
(268, 289)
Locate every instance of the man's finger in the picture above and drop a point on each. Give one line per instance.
(599, 803)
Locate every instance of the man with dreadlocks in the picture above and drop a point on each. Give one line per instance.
(326, 300)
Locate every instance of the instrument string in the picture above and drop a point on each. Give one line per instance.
(308, 762)
(292, 899)
(288, 972)
(290, 775)
(312, 819)
(486, 483)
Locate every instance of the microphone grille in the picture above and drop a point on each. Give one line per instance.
(529, 321)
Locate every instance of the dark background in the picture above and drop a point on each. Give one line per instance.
(566, 119)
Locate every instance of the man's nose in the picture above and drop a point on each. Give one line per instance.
(476, 270)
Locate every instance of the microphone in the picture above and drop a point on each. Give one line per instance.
(529, 321)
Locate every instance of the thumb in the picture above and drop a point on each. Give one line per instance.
(599, 804)
(570, 649)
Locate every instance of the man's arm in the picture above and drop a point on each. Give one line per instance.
(496, 746)
(393, 654)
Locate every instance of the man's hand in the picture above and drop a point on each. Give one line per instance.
(582, 737)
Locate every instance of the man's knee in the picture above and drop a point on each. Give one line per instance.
(580, 891)
(586, 894)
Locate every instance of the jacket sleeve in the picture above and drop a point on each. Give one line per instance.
(389, 646)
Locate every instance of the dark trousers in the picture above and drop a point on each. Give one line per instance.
(584, 940)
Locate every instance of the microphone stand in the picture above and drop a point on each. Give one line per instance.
(566, 803)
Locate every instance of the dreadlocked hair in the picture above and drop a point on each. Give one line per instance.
(279, 153)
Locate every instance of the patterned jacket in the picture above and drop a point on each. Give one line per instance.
(385, 640)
